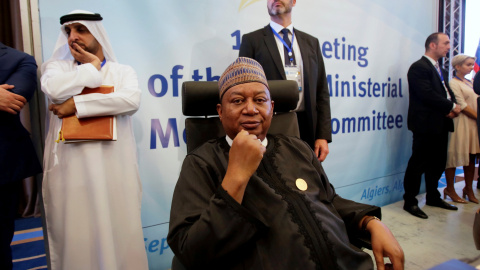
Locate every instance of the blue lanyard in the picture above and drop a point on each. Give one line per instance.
(439, 71)
(471, 86)
(101, 65)
(289, 49)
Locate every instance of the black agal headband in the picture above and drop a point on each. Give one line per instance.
(80, 17)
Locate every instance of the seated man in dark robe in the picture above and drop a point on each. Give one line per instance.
(256, 201)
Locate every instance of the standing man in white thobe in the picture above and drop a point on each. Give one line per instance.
(92, 190)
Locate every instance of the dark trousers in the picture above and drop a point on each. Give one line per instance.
(305, 128)
(9, 196)
(429, 157)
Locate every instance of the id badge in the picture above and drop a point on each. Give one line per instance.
(293, 73)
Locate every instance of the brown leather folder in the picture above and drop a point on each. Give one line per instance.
(91, 128)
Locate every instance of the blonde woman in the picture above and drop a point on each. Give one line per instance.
(463, 142)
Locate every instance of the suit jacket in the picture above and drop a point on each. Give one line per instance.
(476, 83)
(261, 46)
(428, 105)
(18, 159)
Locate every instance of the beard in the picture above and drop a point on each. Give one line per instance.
(93, 48)
(274, 11)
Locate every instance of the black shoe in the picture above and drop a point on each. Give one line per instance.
(442, 204)
(416, 211)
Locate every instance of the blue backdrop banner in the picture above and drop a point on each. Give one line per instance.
(367, 45)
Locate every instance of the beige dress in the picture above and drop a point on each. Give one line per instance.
(464, 140)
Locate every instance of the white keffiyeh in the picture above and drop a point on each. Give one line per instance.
(62, 50)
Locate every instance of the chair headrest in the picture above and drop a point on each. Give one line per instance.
(201, 98)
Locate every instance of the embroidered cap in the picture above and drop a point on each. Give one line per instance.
(243, 70)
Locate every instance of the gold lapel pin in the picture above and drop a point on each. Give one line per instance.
(301, 184)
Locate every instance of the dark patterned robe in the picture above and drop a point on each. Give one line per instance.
(277, 226)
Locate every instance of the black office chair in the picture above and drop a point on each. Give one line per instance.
(201, 99)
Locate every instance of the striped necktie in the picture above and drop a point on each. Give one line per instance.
(289, 60)
(437, 67)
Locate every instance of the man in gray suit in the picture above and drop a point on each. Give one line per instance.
(286, 53)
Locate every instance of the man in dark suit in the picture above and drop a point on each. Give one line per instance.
(476, 88)
(476, 83)
(18, 160)
(300, 60)
(431, 109)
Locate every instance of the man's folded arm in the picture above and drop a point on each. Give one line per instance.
(206, 224)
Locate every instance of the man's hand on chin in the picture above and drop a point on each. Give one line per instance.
(83, 56)
(244, 157)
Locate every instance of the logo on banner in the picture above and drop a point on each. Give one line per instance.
(246, 3)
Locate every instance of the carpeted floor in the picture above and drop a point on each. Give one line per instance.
(28, 250)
